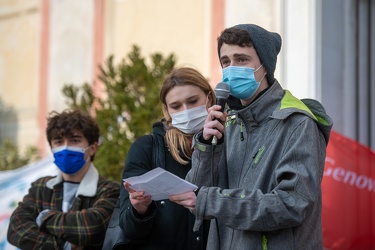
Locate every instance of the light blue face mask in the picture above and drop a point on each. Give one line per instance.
(241, 81)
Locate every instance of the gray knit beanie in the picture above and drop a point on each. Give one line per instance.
(267, 45)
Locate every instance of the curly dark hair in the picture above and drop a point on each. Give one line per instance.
(234, 36)
(69, 121)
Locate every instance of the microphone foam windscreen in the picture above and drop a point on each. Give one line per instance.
(222, 90)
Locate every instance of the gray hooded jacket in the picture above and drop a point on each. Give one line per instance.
(266, 192)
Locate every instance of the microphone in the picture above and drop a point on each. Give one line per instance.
(222, 92)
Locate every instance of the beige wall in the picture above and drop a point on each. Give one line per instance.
(70, 59)
(19, 69)
(180, 27)
(74, 41)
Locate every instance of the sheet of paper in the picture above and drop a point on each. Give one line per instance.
(160, 184)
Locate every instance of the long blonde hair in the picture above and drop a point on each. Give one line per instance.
(176, 140)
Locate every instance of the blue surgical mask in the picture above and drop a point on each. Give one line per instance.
(69, 159)
(241, 81)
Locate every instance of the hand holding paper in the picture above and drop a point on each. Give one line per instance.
(160, 184)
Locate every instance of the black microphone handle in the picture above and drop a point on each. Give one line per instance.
(221, 102)
(222, 91)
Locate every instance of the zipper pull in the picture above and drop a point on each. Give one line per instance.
(241, 132)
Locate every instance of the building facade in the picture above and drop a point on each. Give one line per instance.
(327, 53)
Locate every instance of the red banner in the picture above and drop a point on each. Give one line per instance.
(348, 189)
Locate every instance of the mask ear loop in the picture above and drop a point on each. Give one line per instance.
(262, 78)
(89, 157)
(258, 68)
(263, 75)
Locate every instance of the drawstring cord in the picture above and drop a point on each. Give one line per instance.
(241, 131)
(212, 182)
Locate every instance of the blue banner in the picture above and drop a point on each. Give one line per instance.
(14, 184)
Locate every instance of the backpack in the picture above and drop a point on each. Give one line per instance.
(114, 237)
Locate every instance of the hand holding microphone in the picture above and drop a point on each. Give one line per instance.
(222, 91)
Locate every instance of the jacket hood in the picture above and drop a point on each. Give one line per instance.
(278, 103)
(158, 128)
(310, 107)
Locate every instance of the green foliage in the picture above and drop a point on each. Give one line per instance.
(10, 157)
(76, 101)
(127, 108)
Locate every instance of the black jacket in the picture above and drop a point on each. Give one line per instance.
(168, 225)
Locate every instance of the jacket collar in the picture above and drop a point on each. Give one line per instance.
(278, 103)
(263, 107)
(87, 186)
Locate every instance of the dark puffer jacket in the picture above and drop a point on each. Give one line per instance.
(168, 225)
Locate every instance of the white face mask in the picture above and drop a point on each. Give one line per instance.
(191, 120)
